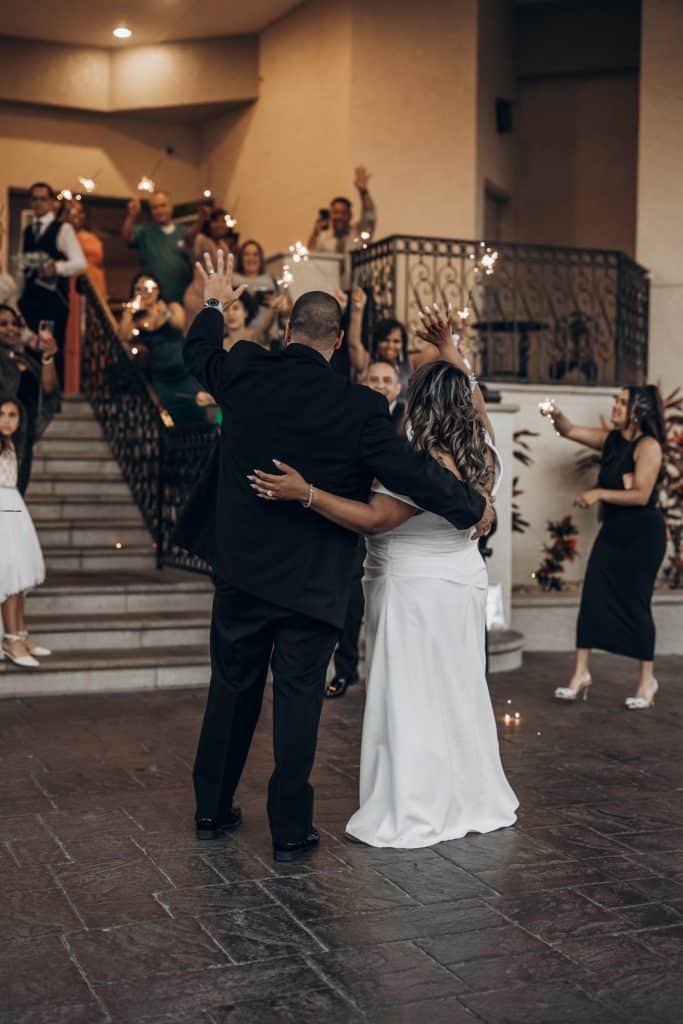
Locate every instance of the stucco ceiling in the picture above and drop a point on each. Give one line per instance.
(90, 22)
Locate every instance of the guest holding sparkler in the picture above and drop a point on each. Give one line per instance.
(153, 328)
(616, 613)
(160, 245)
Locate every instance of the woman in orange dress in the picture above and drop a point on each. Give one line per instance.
(93, 250)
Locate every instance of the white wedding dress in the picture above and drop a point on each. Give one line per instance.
(430, 765)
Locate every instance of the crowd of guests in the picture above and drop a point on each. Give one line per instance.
(39, 313)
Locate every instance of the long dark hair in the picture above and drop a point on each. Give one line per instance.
(18, 439)
(239, 262)
(218, 213)
(442, 418)
(646, 410)
(383, 329)
(151, 277)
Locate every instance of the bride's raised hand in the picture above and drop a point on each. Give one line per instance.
(435, 327)
(287, 485)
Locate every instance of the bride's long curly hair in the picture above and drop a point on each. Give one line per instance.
(442, 418)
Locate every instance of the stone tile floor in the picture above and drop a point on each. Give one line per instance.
(110, 910)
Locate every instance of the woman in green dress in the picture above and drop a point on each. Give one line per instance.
(152, 327)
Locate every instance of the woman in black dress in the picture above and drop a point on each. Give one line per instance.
(615, 613)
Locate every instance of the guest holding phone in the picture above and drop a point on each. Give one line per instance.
(616, 613)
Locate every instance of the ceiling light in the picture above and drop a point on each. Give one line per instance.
(122, 32)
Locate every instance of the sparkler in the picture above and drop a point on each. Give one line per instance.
(145, 184)
(287, 277)
(299, 252)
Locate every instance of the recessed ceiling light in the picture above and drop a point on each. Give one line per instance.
(122, 32)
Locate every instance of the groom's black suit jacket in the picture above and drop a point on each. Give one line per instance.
(291, 406)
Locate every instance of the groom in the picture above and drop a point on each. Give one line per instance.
(282, 573)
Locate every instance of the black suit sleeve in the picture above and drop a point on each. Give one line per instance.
(205, 357)
(403, 470)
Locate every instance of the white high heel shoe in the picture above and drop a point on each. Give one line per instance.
(23, 660)
(36, 649)
(569, 693)
(641, 703)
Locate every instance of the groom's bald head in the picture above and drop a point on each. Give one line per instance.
(316, 322)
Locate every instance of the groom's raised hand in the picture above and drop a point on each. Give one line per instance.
(218, 279)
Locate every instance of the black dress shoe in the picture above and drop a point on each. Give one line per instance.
(292, 851)
(338, 686)
(213, 828)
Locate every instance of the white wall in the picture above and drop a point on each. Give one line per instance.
(553, 481)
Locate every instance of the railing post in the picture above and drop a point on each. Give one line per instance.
(159, 530)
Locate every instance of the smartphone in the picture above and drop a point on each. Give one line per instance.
(324, 215)
(46, 330)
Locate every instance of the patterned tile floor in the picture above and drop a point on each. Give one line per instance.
(111, 911)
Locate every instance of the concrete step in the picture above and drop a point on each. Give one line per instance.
(119, 592)
(108, 671)
(76, 407)
(99, 559)
(87, 534)
(79, 466)
(64, 427)
(48, 510)
(71, 447)
(506, 648)
(128, 631)
(46, 484)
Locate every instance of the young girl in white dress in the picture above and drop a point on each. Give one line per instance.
(430, 765)
(21, 560)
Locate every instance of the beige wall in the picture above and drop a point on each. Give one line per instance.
(496, 79)
(175, 74)
(135, 78)
(577, 160)
(277, 161)
(62, 76)
(344, 82)
(660, 183)
(61, 146)
(413, 113)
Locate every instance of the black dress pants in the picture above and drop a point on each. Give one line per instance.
(346, 655)
(247, 634)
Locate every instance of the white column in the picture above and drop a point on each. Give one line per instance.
(659, 244)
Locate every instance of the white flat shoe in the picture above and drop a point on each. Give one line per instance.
(569, 693)
(23, 660)
(642, 703)
(37, 649)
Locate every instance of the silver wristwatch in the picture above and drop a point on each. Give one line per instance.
(213, 304)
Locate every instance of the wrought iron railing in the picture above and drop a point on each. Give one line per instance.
(160, 461)
(545, 315)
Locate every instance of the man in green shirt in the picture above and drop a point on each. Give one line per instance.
(160, 245)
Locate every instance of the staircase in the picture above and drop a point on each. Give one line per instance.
(112, 620)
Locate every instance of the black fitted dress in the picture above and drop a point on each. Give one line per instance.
(615, 613)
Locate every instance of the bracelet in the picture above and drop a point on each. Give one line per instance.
(307, 504)
(46, 360)
(473, 379)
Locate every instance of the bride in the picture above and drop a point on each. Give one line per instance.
(430, 766)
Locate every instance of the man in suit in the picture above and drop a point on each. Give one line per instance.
(383, 378)
(283, 574)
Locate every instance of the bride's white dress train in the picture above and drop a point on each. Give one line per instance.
(430, 765)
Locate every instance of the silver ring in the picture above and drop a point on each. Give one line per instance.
(269, 493)
(210, 273)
